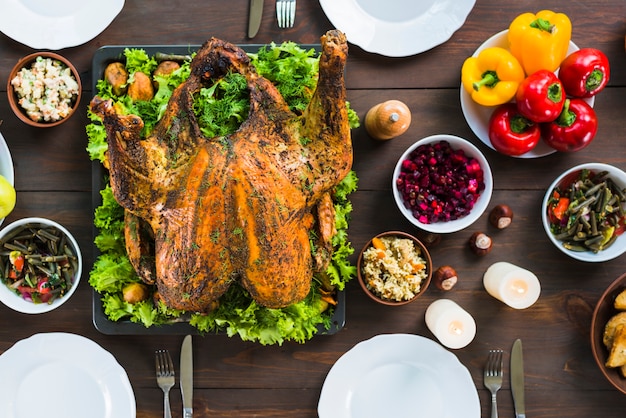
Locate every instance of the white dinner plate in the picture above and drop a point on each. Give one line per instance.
(477, 116)
(6, 164)
(58, 24)
(59, 375)
(397, 28)
(398, 375)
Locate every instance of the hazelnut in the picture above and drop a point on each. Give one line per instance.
(445, 278)
(480, 243)
(501, 216)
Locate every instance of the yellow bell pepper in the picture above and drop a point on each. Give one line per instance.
(540, 42)
(492, 77)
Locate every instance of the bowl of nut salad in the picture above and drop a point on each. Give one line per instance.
(44, 89)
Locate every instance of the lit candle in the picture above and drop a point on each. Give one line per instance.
(453, 326)
(513, 285)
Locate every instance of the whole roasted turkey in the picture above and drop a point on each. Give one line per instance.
(203, 213)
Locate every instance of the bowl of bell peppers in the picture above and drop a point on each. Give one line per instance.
(529, 91)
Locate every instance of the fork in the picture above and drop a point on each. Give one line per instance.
(493, 378)
(165, 378)
(285, 13)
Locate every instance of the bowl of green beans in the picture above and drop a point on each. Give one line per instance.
(40, 265)
(584, 212)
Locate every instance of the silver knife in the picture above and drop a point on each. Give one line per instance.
(254, 22)
(517, 379)
(186, 376)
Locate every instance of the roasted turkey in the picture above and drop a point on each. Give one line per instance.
(204, 213)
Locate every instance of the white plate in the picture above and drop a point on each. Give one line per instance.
(397, 28)
(58, 24)
(398, 375)
(59, 375)
(477, 116)
(6, 164)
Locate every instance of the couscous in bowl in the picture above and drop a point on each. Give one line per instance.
(394, 268)
(44, 89)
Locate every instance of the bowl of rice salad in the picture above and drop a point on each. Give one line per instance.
(44, 89)
(394, 268)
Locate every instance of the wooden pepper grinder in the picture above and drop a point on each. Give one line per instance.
(387, 120)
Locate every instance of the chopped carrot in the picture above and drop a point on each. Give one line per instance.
(380, 254)
(378, 244)
(418, 267)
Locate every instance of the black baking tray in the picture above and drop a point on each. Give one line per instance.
(102, 57)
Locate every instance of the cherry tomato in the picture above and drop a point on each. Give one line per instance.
(511, 133)
(574, 129)
(585, 73)
(540, 97)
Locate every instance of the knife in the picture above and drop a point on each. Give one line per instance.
(186, 376)
(517, 379)
(254, 22)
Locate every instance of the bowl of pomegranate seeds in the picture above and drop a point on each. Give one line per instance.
(442, 184)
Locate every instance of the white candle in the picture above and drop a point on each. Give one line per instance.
(513, 285)
(453, 326)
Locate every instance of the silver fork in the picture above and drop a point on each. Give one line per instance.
(285, 13)
(165, 378)
(493, 378)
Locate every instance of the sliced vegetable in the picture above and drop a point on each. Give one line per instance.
(585, 73)
(492, 77)
(540, 41)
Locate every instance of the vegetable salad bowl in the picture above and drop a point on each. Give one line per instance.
(38, 106)
(586, 210)
(43, 267)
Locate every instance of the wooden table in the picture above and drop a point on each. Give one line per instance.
(239, 379)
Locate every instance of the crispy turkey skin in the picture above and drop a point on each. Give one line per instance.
(235, 208)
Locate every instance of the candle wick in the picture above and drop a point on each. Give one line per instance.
(456, 328)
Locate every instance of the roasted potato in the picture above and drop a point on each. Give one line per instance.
(617, 354)
(610, 328)
(117, 76)
(164, 68)
(135, 292)
(140, 88)
(620, 301)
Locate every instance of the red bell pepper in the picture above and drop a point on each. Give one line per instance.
(511, 133)
(574, 129)
(585, 73)
(540, 97)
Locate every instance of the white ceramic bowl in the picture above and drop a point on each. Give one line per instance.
(6, 164)
(613, 251)
(15, 301)
(480, 205)
(477, 116)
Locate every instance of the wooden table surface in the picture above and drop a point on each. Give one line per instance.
(242, 379)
